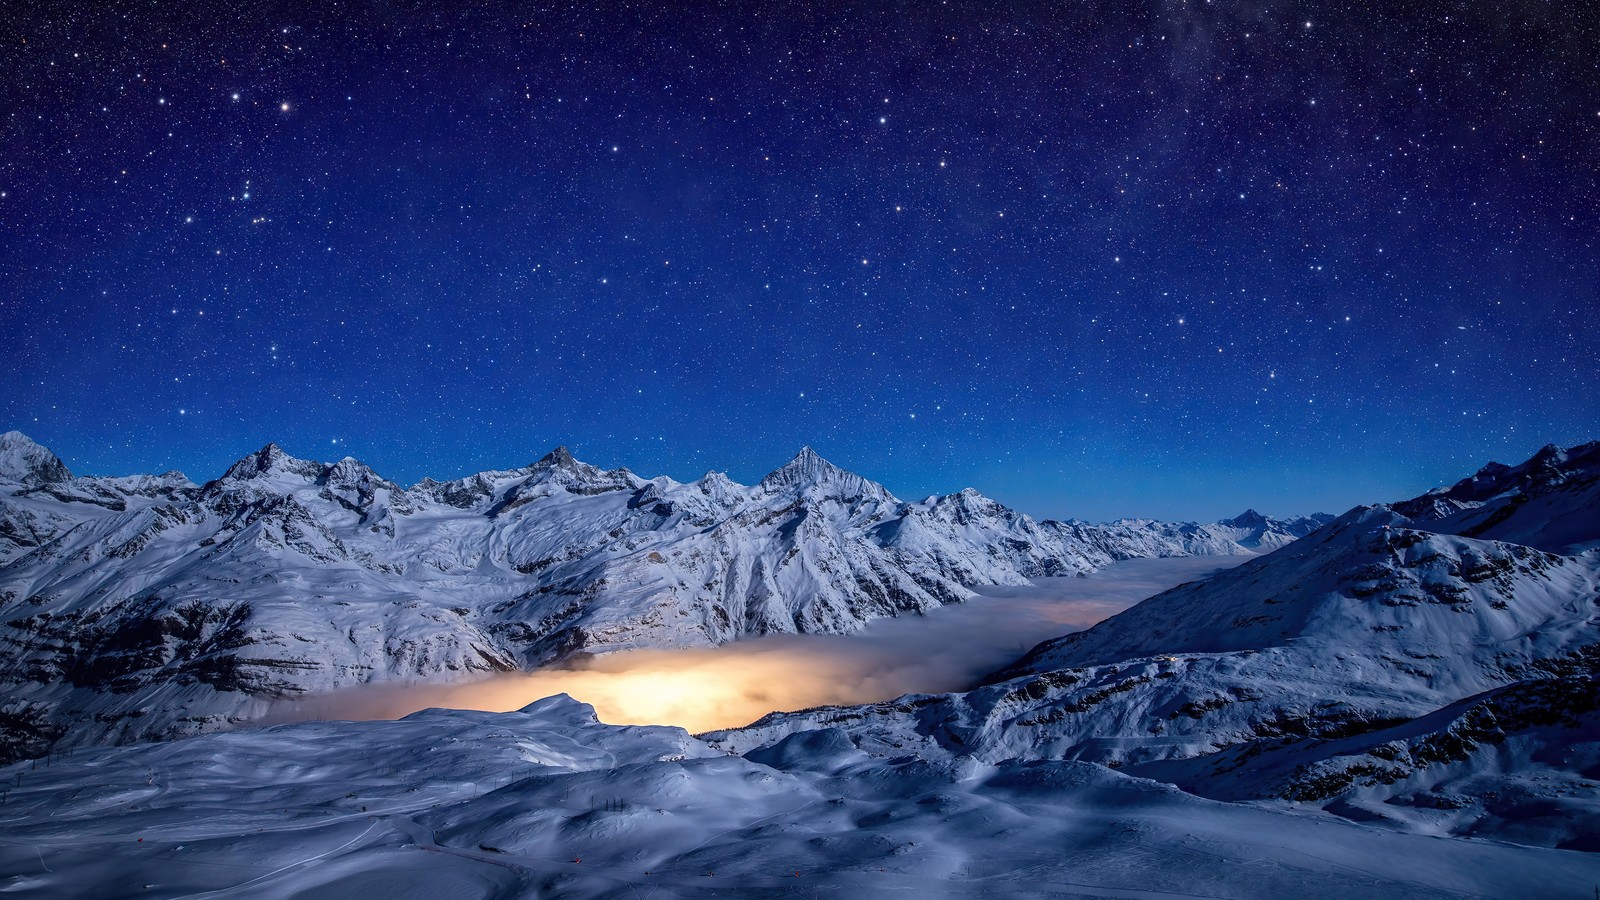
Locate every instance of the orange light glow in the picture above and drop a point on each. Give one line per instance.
(733, 685)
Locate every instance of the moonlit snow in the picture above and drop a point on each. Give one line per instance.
(945, 649)
(549, 803)
(174, 608)
(1400, 703)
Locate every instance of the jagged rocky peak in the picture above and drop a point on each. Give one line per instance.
(656, 489)
(462, 493)
(1555, 465)
(272, 460)
(808, 471)
(968, 505)
(1551, 466)
(1247, 519)
(28, 463)
(807, 465)
(1548, 501)
(720, 490)
(561, 469)
(560, 457)
(1555, 457)
(352, 472)
(168, 484)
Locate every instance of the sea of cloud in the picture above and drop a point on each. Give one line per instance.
(735, 684)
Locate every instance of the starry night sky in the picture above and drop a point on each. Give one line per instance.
(1094, 259)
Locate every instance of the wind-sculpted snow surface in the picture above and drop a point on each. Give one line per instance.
(547, 802)
(149, 607)
(1517, 763)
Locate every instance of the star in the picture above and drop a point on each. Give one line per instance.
(445, 232)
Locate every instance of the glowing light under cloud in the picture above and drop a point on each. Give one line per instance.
(733, 685)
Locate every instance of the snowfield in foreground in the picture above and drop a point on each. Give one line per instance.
(548, 802)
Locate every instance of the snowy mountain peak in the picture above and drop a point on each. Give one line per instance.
(808, 472)
(1262, 532)
(560, 469)
(968, 504)
(351, 472)
(560, 458)
(721, 490)
(806, 465)
(166, 485)
(1550, 453)
(1247, 519)
(271, 460)
(1549, 465)
(1545, 502)
(715, 481)
(23, 461)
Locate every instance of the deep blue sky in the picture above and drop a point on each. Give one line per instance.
(1094, 259)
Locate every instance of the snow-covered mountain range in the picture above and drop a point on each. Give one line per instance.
(1427, 667)
(150, 607)
(1398, 664)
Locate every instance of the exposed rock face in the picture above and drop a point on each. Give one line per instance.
(28, 464)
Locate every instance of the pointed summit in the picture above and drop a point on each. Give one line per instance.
(271, 460)
(1546, 501)
(559, 458)
(1548, 453)
(715, 480)
(808, 471)
(807, 466)
(28, 463)
(559, 468)
(350, 472)
(1247, 519)
(719, 487)
(968, 506)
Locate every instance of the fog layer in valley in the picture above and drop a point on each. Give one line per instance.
(735, 684)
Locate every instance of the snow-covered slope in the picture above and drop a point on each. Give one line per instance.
(40, 499)
(1381, 669)
(1361, 623)
(1458, 609)
(549, 803)
(1518, 762)
(1366, 624)
(148, 607)
(26, 463)
(1551, 501)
